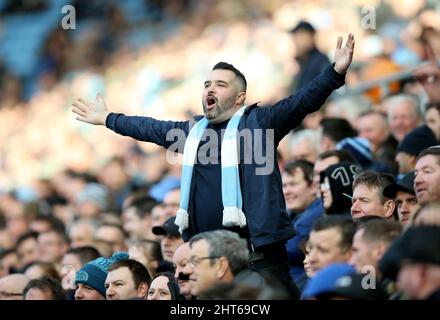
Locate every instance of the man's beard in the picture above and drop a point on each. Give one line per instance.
(220, 108)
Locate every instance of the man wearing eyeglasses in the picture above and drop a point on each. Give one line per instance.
(12, 286)
(426, 182)
(220, 257)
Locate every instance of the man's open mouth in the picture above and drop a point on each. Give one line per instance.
(210, 101)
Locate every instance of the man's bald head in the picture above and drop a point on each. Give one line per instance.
(12, 286)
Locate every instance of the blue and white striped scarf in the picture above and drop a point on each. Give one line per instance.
(231, 191)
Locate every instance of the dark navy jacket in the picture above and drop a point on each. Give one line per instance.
(263, 200)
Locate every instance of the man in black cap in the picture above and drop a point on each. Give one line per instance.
(310, 60)
(414, 261)
(170, 240)
(405, 197)
(412, 144)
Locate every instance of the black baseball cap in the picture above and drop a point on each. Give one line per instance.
(418, 244)
(303, 26)
(168, 228)
(417, 140)
(406, 184)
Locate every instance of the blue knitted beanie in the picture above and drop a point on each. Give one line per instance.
(95, 272)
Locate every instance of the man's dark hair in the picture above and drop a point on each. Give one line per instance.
(238, 74)
(143, 204)
(380, 231)
(53, 222)
(345, 226)
(85, 254)
(26, 236)
(337, 129)
(432, 105)
(342, 155)
(138, 271)
(61, 235)
(433, 151)
(305, 166)
(365, 219)
(375, 180)
(84, 176)
(46, 284)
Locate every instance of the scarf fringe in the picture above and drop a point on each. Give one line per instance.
(233, 216)
(181, 220)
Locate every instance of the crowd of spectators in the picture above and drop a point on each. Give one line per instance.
(87, 214)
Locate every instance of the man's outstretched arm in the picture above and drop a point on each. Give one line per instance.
(288, 113)
(163, 133)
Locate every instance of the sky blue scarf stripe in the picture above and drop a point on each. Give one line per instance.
(231, 192)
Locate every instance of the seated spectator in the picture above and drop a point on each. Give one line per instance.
(183, 269)
(432, 118)
(304, 145)
(330, 242)
(370, 242)
(52, 245)
(12, 286)
(113, 235)
(373, 126)
(81, 233)
(73, 260)
(333, 131)
(127, 279)
(92, 201)
(27, 248)
(368, 199)
(426, 182)
(171, 239)
(404, 114)
(336, 187)
(38, 269)
(221, 256)
(412, 144)
(137, 219)
(326, 159)
(44, 223)
(148, 253)
(405, 197)
(304, 207)
(359, 149)
(44, 288)
(90, 279)
(164, 287)
(9, 262)
(350, 108)
(414, 261)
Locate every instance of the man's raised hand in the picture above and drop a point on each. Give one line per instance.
(91, 112)
(344, 54)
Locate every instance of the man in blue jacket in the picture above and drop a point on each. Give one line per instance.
(251, 202)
